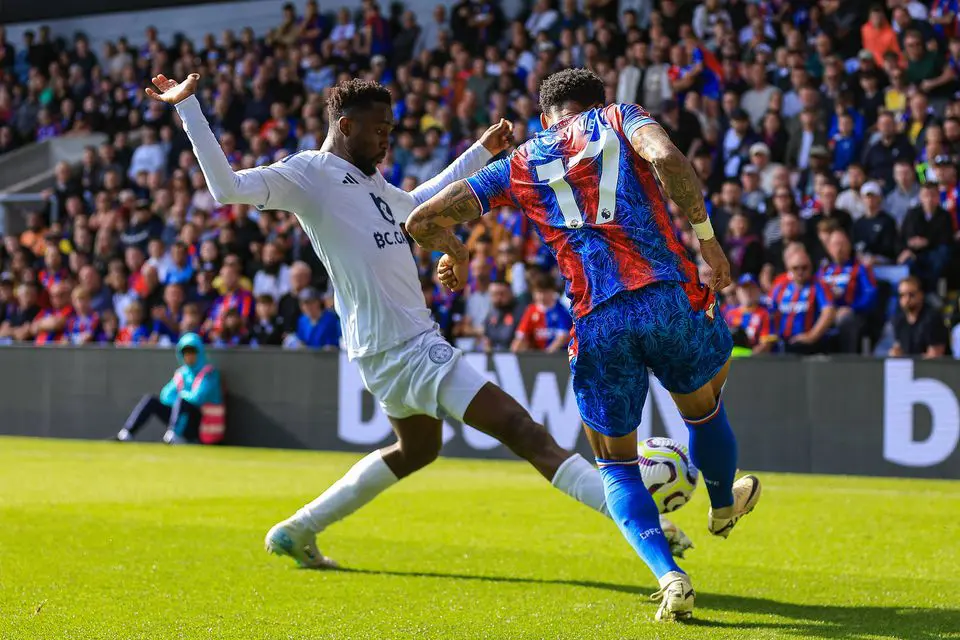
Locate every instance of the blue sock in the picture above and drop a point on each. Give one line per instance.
(713, 450)
(634, 511)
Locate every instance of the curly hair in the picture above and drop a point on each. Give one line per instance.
(580, 86)
(356, 94)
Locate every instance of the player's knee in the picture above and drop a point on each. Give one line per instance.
(419, 453)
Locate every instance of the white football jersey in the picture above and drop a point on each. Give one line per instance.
(352, 220)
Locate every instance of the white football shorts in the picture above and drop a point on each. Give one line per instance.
(420, 377)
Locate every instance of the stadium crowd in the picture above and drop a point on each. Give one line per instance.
(825, 135)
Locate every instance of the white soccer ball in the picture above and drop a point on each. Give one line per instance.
(668, 473)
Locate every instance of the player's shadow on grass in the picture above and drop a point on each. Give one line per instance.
(812, 620)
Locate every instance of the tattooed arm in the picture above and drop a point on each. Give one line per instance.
(431, 225)
(682, 185)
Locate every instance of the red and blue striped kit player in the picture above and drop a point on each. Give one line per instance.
(596, 204)
(590, 183)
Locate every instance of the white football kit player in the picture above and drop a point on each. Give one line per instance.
(353, 222)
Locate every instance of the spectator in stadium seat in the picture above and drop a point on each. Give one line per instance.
(134, 331)
(826, 208)
(82, 327)
(318, 326)
(500, 324)
(749, 321)
(182, 401)
(149, 156)
(268, 327)
(743, 247)
(546, 324)
(803, 305)
(101, 296)
(233, 296)
(123, 296)
(289, 306)
(8, 297)
(853, 287)
(50, 324)
(928, 234)
(18, 326)
(273, 278)
(875, 234)
(905, 194)
(918, 328)
(890, 147)
(232, 331)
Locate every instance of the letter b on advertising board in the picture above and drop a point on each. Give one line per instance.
(900, 394)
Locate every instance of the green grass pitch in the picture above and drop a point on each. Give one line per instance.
(115, 541)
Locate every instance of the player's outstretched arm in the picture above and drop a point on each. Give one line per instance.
(431, 225)
(227, 187)
(682, 185)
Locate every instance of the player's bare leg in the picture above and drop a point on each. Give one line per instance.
(713, 451)
(635, 512)
(419, 439)
(497, 414)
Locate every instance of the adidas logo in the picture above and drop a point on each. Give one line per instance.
(349, 179)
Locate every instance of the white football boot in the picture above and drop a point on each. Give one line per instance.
(679, 542)
(291, 539)
(746, 495)
(676, 597)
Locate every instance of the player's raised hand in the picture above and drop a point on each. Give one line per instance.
(498, 137)
(171, 91)
(453, 274)
(715, 257)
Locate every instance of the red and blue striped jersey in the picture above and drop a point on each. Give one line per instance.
(755, 322)
(596, 204)
(852, 284)
(797, 306)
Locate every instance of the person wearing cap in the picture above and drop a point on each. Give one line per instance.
(760, 158)
(318, 327)
(749, 321)
(854, 290)
(889, 148)
(753, 196)
(875, 234)
(946, 172)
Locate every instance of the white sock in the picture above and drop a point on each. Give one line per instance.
(581, 481)
(361, 484)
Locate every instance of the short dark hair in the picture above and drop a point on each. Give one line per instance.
(580, 86)
(265, 298)
(543, 282)
(356, 94)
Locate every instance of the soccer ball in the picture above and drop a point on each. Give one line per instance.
(668, 473)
